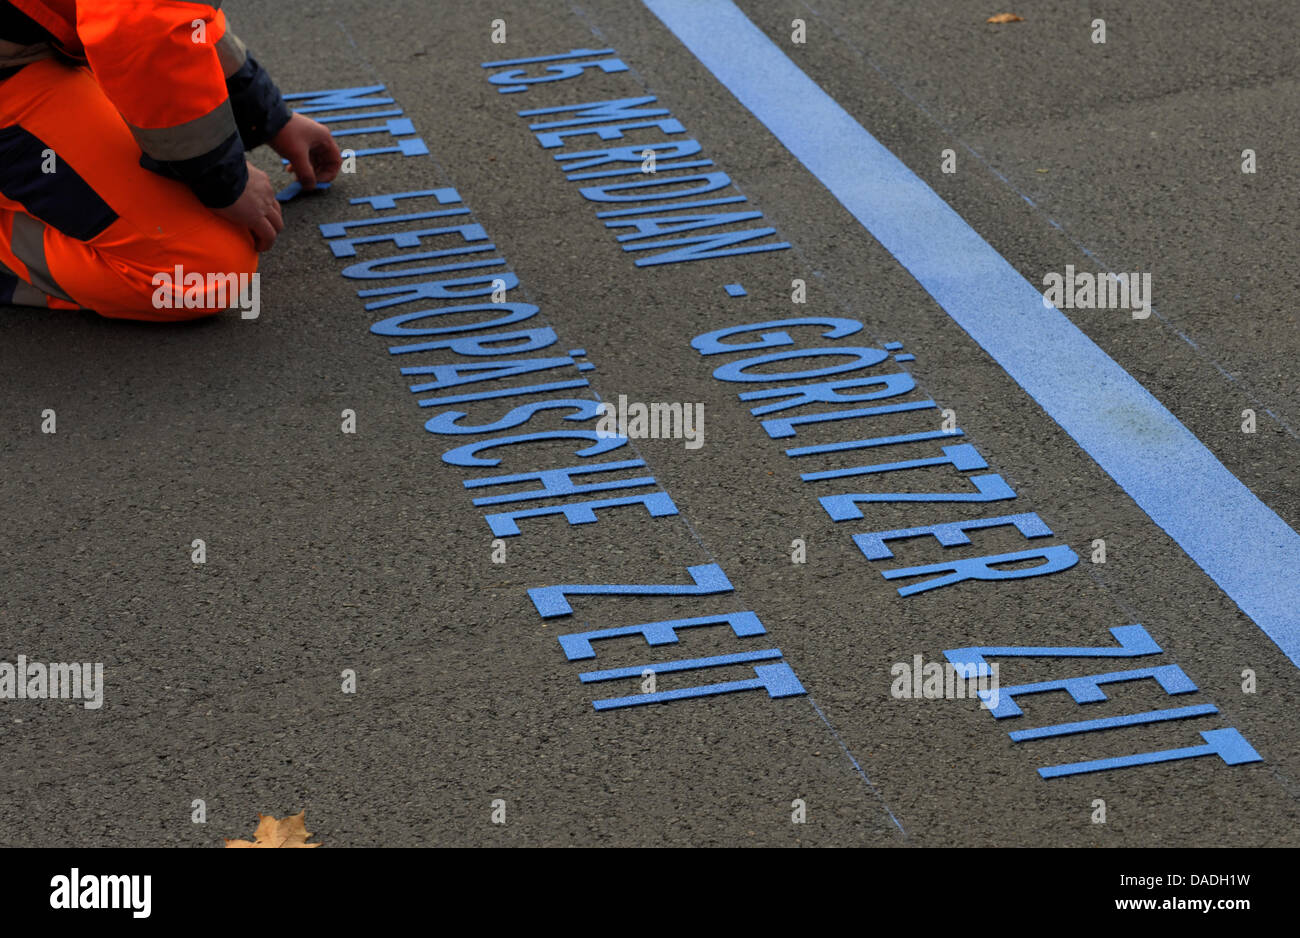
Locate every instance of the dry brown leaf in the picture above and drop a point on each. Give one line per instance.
(289, 832)
(1005, 18)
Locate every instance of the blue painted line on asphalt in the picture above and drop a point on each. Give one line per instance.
(1203, 354)
(1251, 553)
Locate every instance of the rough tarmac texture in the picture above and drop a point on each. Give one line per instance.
(328, 551)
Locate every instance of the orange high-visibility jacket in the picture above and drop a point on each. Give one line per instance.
(188, 89)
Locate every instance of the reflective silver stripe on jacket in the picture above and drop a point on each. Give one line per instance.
(24, 293)
(231, 52)
(28, 245)
(188, 140)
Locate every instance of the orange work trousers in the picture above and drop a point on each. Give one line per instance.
(82, 224)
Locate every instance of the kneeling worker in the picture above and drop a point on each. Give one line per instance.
(123, 131)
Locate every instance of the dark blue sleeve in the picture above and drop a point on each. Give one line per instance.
(260, 111)
(217, 177)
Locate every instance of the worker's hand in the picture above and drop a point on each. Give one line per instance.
(310, 149)
(256, 209)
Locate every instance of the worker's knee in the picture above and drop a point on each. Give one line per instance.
(187, 293)
(214, 272)
(203, 269)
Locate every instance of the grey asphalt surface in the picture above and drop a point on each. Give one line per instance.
(328, 551)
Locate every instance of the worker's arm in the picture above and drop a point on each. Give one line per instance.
(255, 101)
(194, 99)
(158, 62)
(262, 117)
